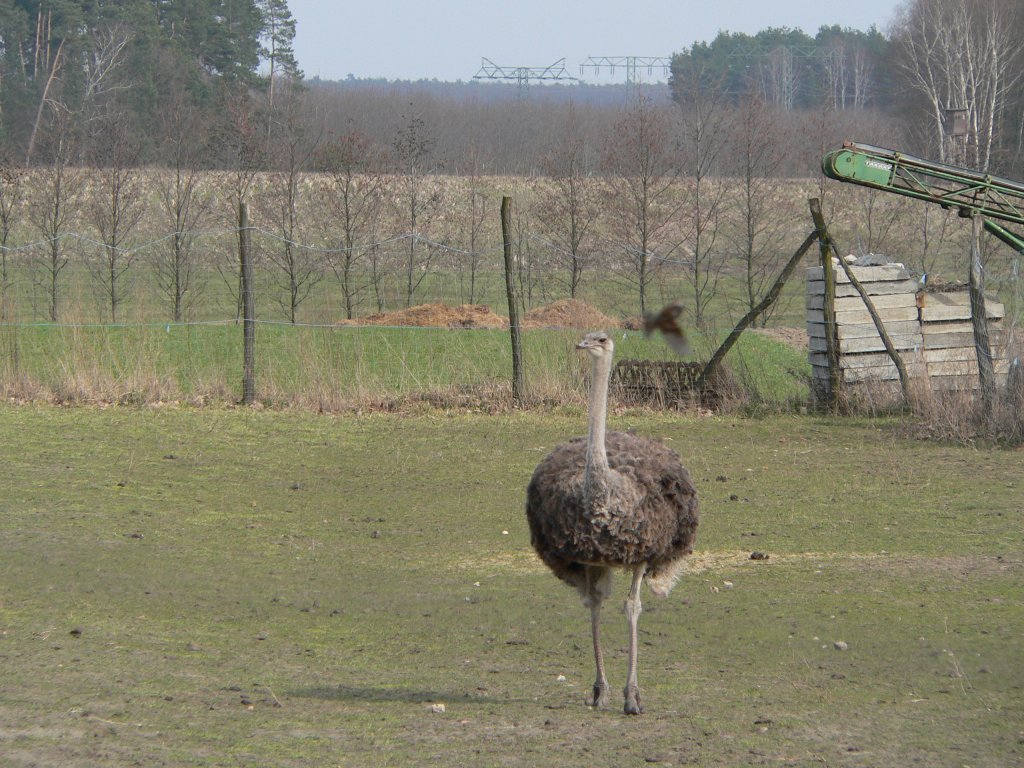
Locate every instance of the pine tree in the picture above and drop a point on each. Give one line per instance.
(277, 42)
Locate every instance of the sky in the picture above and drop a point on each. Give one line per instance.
(448, 39)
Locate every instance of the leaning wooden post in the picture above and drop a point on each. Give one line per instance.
(248, 307)
(883, 334)
(513, 307)
(769, 298)
(829, 306)
(979, 323)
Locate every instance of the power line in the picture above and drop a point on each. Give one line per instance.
(632, 65)
(522, 76)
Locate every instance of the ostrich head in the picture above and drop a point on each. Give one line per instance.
(599, 344)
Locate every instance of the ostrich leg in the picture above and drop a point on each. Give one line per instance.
(632, 691)
(595, 597)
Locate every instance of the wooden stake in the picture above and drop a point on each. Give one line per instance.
(979, 323)
(513, 307)
(248, 307)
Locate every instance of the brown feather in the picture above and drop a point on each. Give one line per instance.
(654, 522)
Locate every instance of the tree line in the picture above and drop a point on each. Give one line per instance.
(88, 64)
(82, 62)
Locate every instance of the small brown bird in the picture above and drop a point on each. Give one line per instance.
(667, 321)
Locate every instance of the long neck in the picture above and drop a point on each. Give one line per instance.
(597, 455)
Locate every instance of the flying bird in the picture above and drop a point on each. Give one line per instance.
(667, 321)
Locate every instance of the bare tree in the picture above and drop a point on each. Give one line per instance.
(53, 200)
(12, 194)
(567, 200)
(780, 78)
(296, 137)
(353, 164)
(936, 231)
(116, 205)
(182, 202)
(642, 168)
(879, 215)
(475, 212)
(963, 55)
(847, 68)
(756, 153)
(414, 159)
(704, 136)
(529, 269)
(52, 64)
(103, 56)
(240, 150)
(106, 54)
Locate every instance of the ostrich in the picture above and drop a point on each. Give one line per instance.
(609, 501)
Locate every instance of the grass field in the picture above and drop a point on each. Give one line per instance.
(220, 587)
(336, 368)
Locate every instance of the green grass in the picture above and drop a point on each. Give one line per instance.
(331, 367)
(219, 587)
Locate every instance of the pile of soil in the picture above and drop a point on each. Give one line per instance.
(569, 313)
(439, 316)
(795, 337)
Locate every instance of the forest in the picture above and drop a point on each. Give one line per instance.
(73, 68)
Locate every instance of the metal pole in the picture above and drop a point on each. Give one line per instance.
(829, 308)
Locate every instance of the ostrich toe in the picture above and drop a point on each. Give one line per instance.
(633, 705)
(599, 696)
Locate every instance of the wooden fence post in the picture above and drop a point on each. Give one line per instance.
(829, 308)
(248, 307)
(513, 307)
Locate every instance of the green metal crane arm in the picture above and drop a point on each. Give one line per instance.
(1012, 239)
(970, 192)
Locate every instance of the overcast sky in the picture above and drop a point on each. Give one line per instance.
(446, 39)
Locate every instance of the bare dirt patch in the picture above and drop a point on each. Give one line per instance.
(565, 313)
(795, 337)
(569, 313)
(439, 316)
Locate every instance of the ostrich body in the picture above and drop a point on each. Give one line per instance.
(611, 500)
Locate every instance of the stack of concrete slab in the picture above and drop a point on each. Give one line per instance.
(931, 331)
(948, 338)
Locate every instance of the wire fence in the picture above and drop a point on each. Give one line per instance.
(83, 321)
(162, 318)
(192, 277)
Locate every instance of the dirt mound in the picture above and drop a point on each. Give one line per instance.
(795, 337)
(569, 313)
(439, 316)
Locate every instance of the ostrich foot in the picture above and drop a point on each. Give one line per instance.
(633, 705)
(599, 697)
